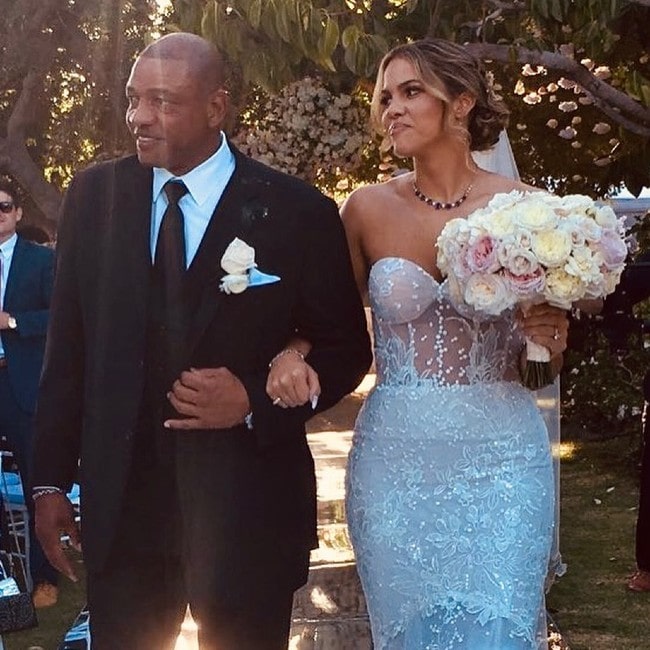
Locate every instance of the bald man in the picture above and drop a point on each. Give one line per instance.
(195, 488)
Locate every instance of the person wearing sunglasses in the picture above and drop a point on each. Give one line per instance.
(26, 275)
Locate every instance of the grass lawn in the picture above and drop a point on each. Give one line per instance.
(591, 605)
(599, 500)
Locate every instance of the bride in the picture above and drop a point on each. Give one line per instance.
(450, 489)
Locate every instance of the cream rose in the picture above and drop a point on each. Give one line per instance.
(238, 258)
(552, 247)
(563, 289)
(488, 293)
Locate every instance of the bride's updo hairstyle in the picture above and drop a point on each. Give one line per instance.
(447, 70)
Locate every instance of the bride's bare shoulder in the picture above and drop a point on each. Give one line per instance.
(497, 184)
(368, 200)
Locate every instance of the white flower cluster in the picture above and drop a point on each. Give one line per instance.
(238, 259)
(307, 130)
(532, 247)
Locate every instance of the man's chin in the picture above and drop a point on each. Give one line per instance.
(147, 159)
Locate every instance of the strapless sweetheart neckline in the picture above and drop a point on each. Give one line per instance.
(397, 258)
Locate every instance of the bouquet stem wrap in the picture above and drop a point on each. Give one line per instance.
(537, 371)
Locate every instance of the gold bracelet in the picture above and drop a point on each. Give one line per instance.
(286, 351)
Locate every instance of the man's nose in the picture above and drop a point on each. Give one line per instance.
(140, 114)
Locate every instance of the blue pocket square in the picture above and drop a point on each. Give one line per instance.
(257, 278)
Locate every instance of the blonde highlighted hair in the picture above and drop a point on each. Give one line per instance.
(448, 70)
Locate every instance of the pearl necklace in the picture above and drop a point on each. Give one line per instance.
(440, 205)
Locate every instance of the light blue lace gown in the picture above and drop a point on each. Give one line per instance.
(450, 490)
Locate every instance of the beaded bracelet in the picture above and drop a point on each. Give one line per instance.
(283, 352)
(37, 493)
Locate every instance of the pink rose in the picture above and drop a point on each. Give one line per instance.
(612, 248)
(481, 256)
(527, 284)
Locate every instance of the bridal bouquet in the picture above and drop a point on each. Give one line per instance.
(525, 248)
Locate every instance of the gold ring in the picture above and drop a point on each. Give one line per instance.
(556, 335)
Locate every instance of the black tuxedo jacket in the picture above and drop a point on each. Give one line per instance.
(91, 391)
(27, 299)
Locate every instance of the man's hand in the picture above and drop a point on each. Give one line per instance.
(4, 320)
(54, 517)
(210, 398)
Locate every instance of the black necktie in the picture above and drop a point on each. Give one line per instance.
(170, 312)
(170, 249)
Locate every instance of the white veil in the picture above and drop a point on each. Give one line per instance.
(500, 159)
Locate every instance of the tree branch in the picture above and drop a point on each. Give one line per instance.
(22, 113)
(614, 103)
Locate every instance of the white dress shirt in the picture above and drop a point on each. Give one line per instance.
(6, 255)
(205, 185)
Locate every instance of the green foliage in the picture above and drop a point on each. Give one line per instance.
(273, 43)
(80, 53)
(606, 362)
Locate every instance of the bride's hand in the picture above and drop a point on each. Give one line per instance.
(546, 325)
(292, 381)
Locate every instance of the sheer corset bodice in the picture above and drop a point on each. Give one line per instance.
(420, 335)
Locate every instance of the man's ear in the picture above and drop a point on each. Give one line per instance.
(218, 106)
(19, 214)
(462, 105)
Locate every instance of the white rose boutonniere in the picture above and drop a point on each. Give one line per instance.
(238, 262)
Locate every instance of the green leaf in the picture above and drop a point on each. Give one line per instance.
(255, 13)
(209, 22)
(645, 94)
(282, 21)
(350, 36)
(541, 7)
(329, 38)
(350, 56)
(556, 10)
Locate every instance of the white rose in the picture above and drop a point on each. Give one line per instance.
(571, 225)
(503, 200)
(584, 265)
(611, 280)
(552, 247)
(234, 283)
(488, 293)
(576, 203)
(238, 257)
(590, 229)
(606, 217)
(499, 223)
(535, 215)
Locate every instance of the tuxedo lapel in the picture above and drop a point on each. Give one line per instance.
(19, 263)
(232, 218)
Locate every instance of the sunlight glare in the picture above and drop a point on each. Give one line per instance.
(188, 638)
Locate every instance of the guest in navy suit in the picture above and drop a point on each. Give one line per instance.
(25, 288)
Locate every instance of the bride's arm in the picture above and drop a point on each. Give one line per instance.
(291, 380)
